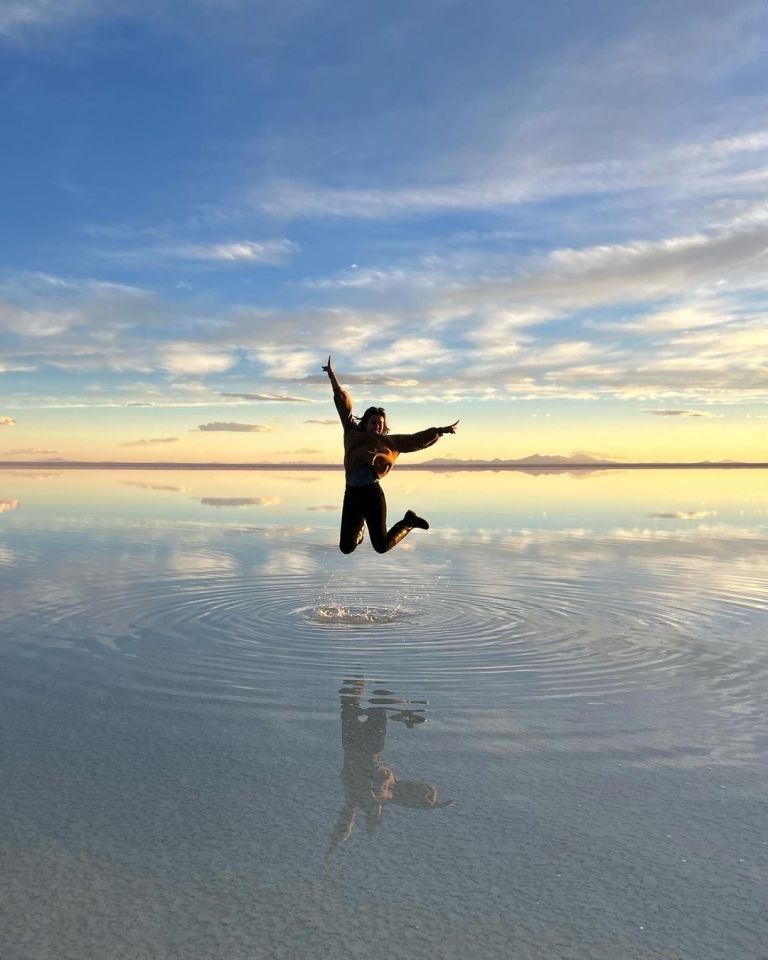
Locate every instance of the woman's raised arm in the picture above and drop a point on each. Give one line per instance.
(328, 367)
(341, 398)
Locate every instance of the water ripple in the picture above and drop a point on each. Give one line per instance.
(222, 634)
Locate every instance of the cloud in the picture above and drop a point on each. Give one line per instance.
(7, 421)
(295, 200)
(252, 23)
(118, 231)
(263, 252)
(19, 15)
(330, 422)
(687, 316)
(356, 278)
(284, 365)
(326, 507)
(9, 453)
(36, 475)
(421, 352)
(266, 398)
(47, 282)
(84, 325)
(681, 166)
(153, 486)
(301, 450)
(235, 427)
(149, 442)
(7, 505)
(37, 323)
(684, 515)
(632, 272)
(239, 501)
(191, 359)
(683, 413)
(595, 320)
(17, 368)
(370, 379)
(661, 238)
(595, 113)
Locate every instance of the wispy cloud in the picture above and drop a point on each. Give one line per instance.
(302, 451)
(153, 441)
(361, 279)
(7, 421)
(38, 323)
(684, 515)
(29, 450)
(257, 252)
(683, 413)
(16, 16)
(684, 166)
(7, 505)
(17, 368)
(169, 488)
(37, 475)
(367, 379)
(192, 359)
(296, 200)
(266, 397)
(42, 283)
(282, 364)
(234, 427)
(573, 279)
(239, 501)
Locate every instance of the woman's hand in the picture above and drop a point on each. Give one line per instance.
(449, 429)
(328, 367)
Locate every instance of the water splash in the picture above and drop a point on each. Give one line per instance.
(341, 614)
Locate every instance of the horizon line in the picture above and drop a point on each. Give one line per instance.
(443, 467)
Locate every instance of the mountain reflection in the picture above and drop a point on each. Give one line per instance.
(370, 785)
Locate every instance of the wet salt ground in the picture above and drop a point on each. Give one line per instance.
(172, 740)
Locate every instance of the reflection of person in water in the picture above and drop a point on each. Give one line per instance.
(369, 453)
(369, 786)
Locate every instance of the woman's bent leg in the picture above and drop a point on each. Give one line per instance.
(382, 540)
(352, 519)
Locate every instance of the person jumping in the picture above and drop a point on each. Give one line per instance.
(370, 451)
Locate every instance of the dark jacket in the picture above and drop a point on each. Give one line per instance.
(377, 450)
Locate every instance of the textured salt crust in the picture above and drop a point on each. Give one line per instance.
(132, 834)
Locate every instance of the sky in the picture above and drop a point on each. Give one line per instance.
(549, 220)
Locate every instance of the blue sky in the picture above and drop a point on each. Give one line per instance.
(547, 219)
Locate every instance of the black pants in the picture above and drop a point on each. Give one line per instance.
(367, 505)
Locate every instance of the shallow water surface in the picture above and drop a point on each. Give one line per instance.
(537, 730)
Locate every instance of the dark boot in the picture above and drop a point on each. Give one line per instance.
(413, 521)
(401, 529)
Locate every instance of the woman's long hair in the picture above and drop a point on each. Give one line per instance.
(370, 412)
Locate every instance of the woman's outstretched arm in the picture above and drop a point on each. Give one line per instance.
(451, 428)
(341, 398)
(410, 442)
